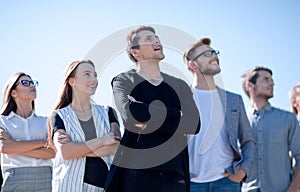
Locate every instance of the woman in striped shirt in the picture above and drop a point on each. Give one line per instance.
(85, 135)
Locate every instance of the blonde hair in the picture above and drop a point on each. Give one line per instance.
(293, 93)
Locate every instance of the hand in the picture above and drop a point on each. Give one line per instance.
(237, 177)
(4, 135)
(115, 136)
(109, 139)
(142, 126)
(132, 99)
(192, 175)
(63, 138)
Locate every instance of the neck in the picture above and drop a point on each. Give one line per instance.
(80, 104)
(204, 82)
(149, 69)
(258, 103)
(24, 109)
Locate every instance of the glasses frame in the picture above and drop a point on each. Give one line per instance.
(28, 83)
(207, 53)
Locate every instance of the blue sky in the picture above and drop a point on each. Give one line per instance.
(42, 37)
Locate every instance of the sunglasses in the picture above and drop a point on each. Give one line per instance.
(27, 83)
(208, 53)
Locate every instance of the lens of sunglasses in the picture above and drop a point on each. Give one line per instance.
(27, 83)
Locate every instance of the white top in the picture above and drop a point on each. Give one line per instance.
(32, 128)
(209, 151)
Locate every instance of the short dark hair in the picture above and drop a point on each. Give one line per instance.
(132, 39)
(252, 75)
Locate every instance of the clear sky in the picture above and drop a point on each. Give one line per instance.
(42, 37)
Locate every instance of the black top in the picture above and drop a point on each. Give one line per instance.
(169, 112)
(95, 168)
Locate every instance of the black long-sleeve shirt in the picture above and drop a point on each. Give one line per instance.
(169, 112)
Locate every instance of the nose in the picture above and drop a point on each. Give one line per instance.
(31, 84)
(156, 40)
(215, 56)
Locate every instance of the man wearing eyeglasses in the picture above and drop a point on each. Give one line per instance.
(217, 161)
(277, 133)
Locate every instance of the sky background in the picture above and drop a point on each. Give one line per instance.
(41, 37)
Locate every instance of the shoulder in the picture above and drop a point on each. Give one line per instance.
(175, 82)
(168, 77)
(229, 94)
(128, 75)
(63, 111)
(100, 107)
(283, 112)
(2, 121)
(41, 118)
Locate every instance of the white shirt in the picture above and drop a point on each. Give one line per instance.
(32, 128)
(209, 151)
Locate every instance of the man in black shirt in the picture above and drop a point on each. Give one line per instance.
(157, 111)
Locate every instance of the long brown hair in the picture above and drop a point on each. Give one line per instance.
(8, 103)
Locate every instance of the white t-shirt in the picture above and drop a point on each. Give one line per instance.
(209, 151)
(32, 128)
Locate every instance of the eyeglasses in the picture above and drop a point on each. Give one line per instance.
(208, 53)
(27, 83)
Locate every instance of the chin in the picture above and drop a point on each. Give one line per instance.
(161, 56)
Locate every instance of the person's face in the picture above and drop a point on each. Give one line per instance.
(264, 85)
(150, 47)
(206, 61)
(25, 89)
(85, 80)
(296, 99)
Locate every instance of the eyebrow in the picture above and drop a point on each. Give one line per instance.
(151, 36)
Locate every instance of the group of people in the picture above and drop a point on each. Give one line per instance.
(177, 137)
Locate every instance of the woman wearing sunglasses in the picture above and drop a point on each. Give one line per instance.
(85, 134)
(25, 156)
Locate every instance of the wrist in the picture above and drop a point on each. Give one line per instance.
(46, 145)
(241, 173)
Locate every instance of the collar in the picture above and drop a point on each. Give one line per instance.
(265, 109)
(13, 114)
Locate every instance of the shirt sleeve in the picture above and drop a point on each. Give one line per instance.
(112, 115)
(293, 138)
(56, 123)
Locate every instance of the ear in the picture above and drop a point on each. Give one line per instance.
(293, 103)
(192, 65)
(71, 81)
(249, 85)
(134, 52)
(13, 93)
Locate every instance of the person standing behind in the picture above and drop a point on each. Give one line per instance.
(85, 135)
(276, 132)
(295, 100)
(217, 162)
(25, 156)
(157, 111)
